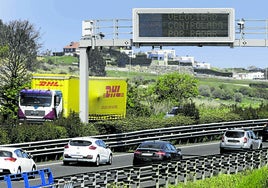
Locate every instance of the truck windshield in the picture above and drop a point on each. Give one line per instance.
(35, 100)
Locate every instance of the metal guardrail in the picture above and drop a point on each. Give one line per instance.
(53, 149)
(174, 172)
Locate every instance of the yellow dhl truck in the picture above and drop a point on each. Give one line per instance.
(54, 94)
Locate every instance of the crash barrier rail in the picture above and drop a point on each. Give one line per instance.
(45, 175)
(173, 172)
(53, 149)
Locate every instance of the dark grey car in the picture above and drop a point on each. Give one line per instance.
(156, 151)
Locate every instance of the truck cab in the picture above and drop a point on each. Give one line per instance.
(39, 105)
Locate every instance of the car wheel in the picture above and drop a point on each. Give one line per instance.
(33, 169)
(222, 151)
(97, 162)
(110, 160)
(134, 162)
(66, 163)
(19, 170)
(260, 146)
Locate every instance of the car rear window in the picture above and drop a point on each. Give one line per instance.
(151, 145)
(80, 143)
(234, 134)
(5, 153)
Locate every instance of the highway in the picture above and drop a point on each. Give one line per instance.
(119, 160)
(125, 159)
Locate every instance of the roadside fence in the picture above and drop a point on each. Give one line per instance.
(173, 172)
(45, 176)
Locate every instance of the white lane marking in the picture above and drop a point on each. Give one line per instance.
(196, 145)
(125, 154)
(60, 162)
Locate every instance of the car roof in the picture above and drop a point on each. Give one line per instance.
(239, 129)
(8, 148)
(92, 139)
(156, 141)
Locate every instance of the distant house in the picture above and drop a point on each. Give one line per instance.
(203, 65)
(186, 61)
(72, 49)
(249, 76)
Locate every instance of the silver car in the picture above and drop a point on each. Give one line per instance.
(239, 139)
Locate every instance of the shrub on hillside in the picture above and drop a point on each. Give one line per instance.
(140, 123)
(4, 136)
(72, 124)
(31, 133)
(245, 112)
(204, 90)
(238, 97)
(75, 127)
(215, 115)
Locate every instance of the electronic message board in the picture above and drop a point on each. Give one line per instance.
(182, 26)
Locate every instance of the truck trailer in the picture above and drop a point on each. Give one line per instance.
(53, 95)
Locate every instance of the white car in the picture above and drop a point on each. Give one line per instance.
(15, 160)
(87, 149)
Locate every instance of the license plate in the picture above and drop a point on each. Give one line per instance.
(147, 154)
(77, 156)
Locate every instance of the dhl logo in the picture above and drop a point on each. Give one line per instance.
(112, 91)
(48, 83)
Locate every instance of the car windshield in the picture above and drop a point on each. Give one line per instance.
(174, 111)
(5, 153)
(234, 134)
(80, 143)
(151, 145)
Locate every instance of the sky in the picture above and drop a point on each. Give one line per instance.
(60, 22)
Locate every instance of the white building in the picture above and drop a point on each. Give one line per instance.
(202, 65)
(186, 59)
(249, 76)
(161, 56)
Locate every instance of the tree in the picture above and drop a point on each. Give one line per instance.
(135, 105)
(21, 40)
(96, 63)
(176, 87)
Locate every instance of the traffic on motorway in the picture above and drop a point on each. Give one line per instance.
(120, 159)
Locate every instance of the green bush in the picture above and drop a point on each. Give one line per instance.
(248, 179)
(72, 124)
(214, 115)
(31, 133)
(140, 123)
(4, 136)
